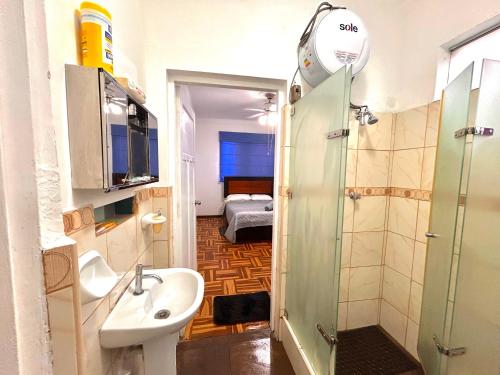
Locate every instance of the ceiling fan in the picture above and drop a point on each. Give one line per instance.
(267, 114)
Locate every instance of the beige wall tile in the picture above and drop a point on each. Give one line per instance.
(403, 216)
(424, 208)
(122, 246)
(348, 215)
(412, 339)
(97, 360)
(369, 214)
(399, 253)
(161, 255)
(428, 168)
(344, 285)
(410, 128)
(146, 257)
(453, 277)
(350, 174)
(372, 169)
(377, 136)
(432, 124)
(345, 257)
(342, 316)
(407, 168)
(62, 331)
(86, 240)
(89, 308)
(458, 229)
(367, 249)
(396, 289)
(362, 313)
(419, 263)
(364, 283)
(117, 291)
(415, 302)
(393, 322)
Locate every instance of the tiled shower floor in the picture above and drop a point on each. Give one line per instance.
(368, 350)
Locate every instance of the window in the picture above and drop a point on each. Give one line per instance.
(246, 154)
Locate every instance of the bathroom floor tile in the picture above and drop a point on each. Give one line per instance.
(246, 353)
(227, 269)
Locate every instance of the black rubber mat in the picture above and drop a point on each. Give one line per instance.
(368, 350)
(242, 308)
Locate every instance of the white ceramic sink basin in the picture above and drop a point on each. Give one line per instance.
(133, 320)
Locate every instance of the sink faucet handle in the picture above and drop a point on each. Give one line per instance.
(139, 267)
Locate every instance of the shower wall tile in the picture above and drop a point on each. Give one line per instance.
(412, 339)
(344, 285)
(399, 253)
(410, 128)
(415, 302)
(369, 214)
(363, 313)
(419, 262)
(372, 169)
(364, 283)
(122, 246)
(393, 322)
(431, 135)
(345, 256)
(348, 215)
(350, 173)
(424, 210)
(407, 168)
(367, 249)
(378, 136)
(396, 289)
(352, 140)
(403, 216)
(428, 168)
(342, 316)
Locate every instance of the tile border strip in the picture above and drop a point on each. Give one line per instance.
(422, 195)
(78, 219)
(58, 268)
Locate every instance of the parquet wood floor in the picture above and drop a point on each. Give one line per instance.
(227, 268)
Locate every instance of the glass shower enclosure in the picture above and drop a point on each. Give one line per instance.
(318, 142)
(460, 320)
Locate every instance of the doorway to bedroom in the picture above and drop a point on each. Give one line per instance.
(227, 174)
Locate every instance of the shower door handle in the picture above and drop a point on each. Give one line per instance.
(431, 235)
(330, 339)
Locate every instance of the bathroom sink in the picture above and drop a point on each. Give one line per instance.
(153, 319)
(174, 302)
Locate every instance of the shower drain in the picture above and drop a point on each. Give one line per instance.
(162, 314)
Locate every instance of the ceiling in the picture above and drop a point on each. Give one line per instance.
(225, 103)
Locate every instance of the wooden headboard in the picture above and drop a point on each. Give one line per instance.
(248, 185)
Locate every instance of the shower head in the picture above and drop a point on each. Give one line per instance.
(372, 119)
(364, 115)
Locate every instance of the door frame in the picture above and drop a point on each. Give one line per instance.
(184, 77)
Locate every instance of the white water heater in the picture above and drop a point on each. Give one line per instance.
(339, 38)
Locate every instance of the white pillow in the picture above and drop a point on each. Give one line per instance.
(261, 197)
(238, 197)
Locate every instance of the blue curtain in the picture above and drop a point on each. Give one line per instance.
(246, 154)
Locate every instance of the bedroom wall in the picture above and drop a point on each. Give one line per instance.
(208, 188)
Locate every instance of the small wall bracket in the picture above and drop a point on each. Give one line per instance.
(449, 352)
(330, 339)
(338, 133)
(474, 130)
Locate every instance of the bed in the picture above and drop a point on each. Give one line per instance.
(248, 221)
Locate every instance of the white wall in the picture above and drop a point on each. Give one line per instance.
(64, 48)
(208, 188)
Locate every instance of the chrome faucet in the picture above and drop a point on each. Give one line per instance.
(139, 276)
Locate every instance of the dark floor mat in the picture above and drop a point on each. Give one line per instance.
(222, 230)
(368, 350)
(242, 308)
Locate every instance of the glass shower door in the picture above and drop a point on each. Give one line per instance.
(445, 200)
(476, 314)
(315, 212)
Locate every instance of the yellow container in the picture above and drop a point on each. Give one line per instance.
(96, 36)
